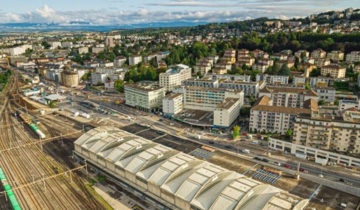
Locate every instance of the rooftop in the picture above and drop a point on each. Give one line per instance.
(201, 184)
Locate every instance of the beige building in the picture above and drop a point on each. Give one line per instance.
(334, 71)
(227, 112)
(230, 56)
(70, 78)
(134, 60)
(328, 132)
(318, 53)
(203, 66)
(174, 76)
(336, 55)
(172, 104)
(288, 96)
(144, 96)
(353, 57)
(264, 117)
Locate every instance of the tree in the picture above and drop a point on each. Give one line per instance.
(307, 85)
(119, 85)
(236, 131)
(289, 133)
(52, 104)
(285, 71)
(321, 102)
(46, 45)
(315, 73)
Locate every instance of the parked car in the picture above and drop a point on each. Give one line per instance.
(277, 163)
(287, 165)
(265, 160)
(257, 158)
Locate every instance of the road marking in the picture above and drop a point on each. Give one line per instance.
(161, 137)
(142, 131)
(250, 168)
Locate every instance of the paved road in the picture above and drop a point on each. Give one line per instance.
(256, 150)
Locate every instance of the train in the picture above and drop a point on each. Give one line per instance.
(33, 127)
(9, 193)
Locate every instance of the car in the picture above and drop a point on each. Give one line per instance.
(321, 175)
(265, 160)
(341, 180)
(211, 142)
(277, 163)
(287, 165)
(303, 170)
(257, 158)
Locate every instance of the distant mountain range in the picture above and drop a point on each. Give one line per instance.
(85, 26)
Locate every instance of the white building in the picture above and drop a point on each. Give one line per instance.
(55, 45)
(83, 50)
(326, 93)
(227, 112)
(176, 180)
(273, 79)
(173, 104)
(207, 99)
(348, 104)
(134, 60)
(143, 96)
(174, 76)
(19, 50)
(119, 61)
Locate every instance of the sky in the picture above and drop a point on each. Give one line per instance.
(123, 12)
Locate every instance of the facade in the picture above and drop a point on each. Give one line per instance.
(273, 79)
(320, 81)
(334, 71)
(173, 77)
(70, 78)
(207, 99)
(249, 88)
(329, 132)
(348, 104)
(353, 57)
(172, 104)
(134, 60)
(318, 53)
(265, 117)
(336, 56)
(173, 179)
(143, 96)
(288, 96)
(119, 61)
(311, 152)
(326, 93)
(227, 112)
(203, 66)
(299, 81)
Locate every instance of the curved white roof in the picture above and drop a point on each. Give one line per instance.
(201, 184)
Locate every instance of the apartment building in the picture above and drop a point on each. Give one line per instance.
(227, 112)
(119, 61)
(279, 56)
(302, 54)
(318, 53)
(353, 57)
(229, 56)
(172, 104)
(265, 117)
(326, 93)
(207, 99)
(245, 60)
(144, 96)
(294, 97)
(203, 66)
(243, 53)
(273, 79)
(231, 77)
(299, 81)
(320, 81)
(249, 88)
(334, 71)
(260, 54)
(348, 104)
(174, 76)
(329, 132)
(320, 62)
(206, 83)
(335, 56)
(134, 60)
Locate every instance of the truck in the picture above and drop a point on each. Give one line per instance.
(246, 151)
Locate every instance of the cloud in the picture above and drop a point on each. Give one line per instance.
(226, 10)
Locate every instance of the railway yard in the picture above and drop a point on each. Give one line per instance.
(37, 179)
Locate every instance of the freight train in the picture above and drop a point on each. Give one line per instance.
(9, 193)
(33, 127)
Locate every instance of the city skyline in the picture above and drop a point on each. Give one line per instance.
(119, 12)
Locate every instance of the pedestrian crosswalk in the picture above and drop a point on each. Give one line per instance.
(265, 176)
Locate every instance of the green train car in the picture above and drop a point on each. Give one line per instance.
(10, 194)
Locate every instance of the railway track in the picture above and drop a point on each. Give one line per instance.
(30, 163)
